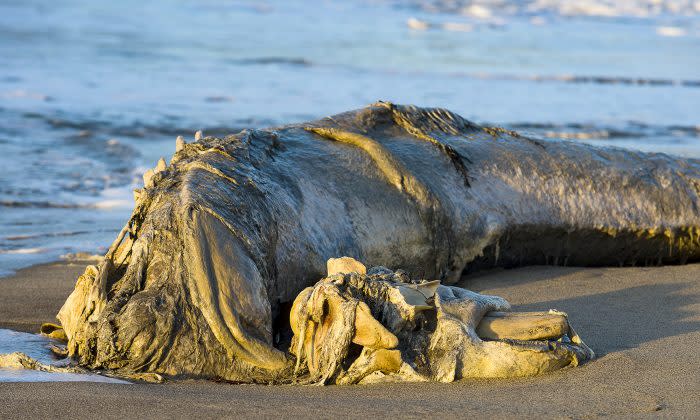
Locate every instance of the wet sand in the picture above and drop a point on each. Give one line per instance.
(643, 323)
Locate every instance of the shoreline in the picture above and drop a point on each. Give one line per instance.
(642, 323)
(33, 295)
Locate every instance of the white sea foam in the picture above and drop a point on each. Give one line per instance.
(457, 27)
(478, 11)
(112, 204)
(115, 198)
(417, 24)
(38, 348)
(485, 9)
(23, 251)
(672, 31)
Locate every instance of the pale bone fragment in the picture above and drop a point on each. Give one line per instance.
(345, 265)
(522, 325)
(160, 166)
(179, 143)
(148, 178)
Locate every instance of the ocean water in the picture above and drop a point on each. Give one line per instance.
(39, 348)
(93, 93)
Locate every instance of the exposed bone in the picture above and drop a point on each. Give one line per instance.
(160, 166)
(414, 298)
(523, 325)
(179, 143)
(344, 265)
(445, 349)
(148, 178)
(369, 332)
(419, 295)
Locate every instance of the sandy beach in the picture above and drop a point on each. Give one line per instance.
(643, 323)
(508, 133)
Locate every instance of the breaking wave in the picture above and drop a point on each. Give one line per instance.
(485, 9)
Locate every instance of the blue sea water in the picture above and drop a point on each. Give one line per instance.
(93, 93)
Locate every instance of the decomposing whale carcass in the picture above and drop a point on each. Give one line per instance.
(379, 325)
(201, 280)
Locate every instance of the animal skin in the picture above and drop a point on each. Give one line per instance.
(201, 280)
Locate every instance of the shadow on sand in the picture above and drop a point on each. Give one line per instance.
(626, 318)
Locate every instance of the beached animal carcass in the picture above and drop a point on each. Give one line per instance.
(201, 280)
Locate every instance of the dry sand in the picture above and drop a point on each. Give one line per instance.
(644, 324)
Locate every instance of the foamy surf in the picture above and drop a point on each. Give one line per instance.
(672, 31)
(21, 251)
(38, 348)
(484, 9)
